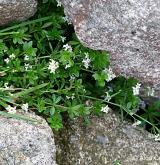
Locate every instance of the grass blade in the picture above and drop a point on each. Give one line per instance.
(19, 117)
(25, 24)
(27, 91)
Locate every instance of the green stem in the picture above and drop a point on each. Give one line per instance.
(147, 122)
(87, 70)
(25, 24)
(57, 106)
(93, 98)
(9, 33)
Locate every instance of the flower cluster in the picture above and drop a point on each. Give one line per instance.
(13, 110)
(53, 65)
(136, 89)
(150, 91)
(67, 47)
(25, 107)
(105, 109)
(59, 4)
(136, 123)
(66, 19)
(11, 57)
(27, 66)
(10, 109)
(157, 137)
(86, 61)
(62, 38)
(110, 74)
(6, 85)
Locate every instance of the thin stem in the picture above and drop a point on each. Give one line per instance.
(87, 70)
(147, 122)
(57, 106)
(93, 98)
(25, 24)
(11, 89)
(9, 33)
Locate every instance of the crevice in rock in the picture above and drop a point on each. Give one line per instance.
(62, 137)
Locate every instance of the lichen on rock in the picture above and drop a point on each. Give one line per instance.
(24, 143)
(128, 29)
(16, 10)
(107, 140)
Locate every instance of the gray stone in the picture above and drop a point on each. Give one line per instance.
(105, 141)
(23, 143)
(16, 10)
(128, 29)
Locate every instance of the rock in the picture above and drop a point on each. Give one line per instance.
(106, 141)
(128, 29)
(23, 143)
(16, 10)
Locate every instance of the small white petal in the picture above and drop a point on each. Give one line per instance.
(53, 65)
(137, 123)
(11, 110)
(25, 107)
(105, 109)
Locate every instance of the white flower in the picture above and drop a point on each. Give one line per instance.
(27, 66)
(150, 91)
(67, 97)
(59, 4)
(12, 56)
(7, 60)
(8, 87)
(110, 74)
(157, 137)
(73, 96)
(136, 89)
(66, 19)
(67, 66)
(72, 78)
(86, 61)
(14, 70)
(105, 109)
(136, 123)
(5, 50)
(10, 109)
(67, 47)
(53, 65)
(26, 57)
(63, 38)
(25, 107)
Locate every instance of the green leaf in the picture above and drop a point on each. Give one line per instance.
(100, 78)
(28, 49)
(100, 60)
(55, 121)
(52, 111)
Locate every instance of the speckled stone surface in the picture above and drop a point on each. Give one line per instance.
(23, 143)
(105, 141)
(128, 29)
(16, 10)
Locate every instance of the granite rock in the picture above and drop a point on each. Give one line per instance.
(16, 10)
(24, 143)
(106, 141)
(128, 29)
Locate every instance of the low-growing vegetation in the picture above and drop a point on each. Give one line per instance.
(44, 68)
